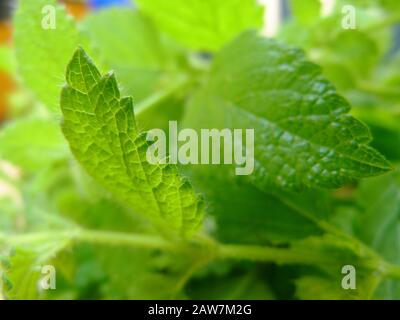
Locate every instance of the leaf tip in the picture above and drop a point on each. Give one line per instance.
(75, 76)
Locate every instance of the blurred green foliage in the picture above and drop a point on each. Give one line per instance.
(283, 233)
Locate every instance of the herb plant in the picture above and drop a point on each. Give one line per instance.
(86, 201)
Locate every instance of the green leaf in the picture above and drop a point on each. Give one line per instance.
(27, 258)
(305, 11)
(204, 25)
(134, 274)
(98, 214)
(240, 213)
(303, 134)
(378, 224)
(150, 68)
(102, 134)
(328, 288)
(42, 53)
(326, 279)
(390, 5)
(385, 126)
(347, 57)
(32, 143)
(129, 273)
(236, 285)
(143, 66)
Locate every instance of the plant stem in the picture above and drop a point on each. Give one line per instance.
(207, 247)
(124, 239)
(155, 99)
(199, 246)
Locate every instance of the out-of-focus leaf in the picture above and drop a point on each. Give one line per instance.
(42, 53)
(327, 282)
(32, 143)
(348, 56)
(304, 136)
(145, 65)
(240, 213)
(384, 123)
(26, 262)
(236, 285)
(305, 11)
(204, 25)
(379, 224)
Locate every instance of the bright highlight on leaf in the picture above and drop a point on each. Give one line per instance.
(102, 134)
(204, 25)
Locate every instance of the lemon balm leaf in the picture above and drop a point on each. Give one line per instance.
(304, 136)
(101, 130)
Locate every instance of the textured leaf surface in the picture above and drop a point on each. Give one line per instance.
(102, 134)
(303, 134)
(205, 25)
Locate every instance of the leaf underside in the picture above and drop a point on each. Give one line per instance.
(102, 134)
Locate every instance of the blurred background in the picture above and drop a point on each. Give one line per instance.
(278, 12)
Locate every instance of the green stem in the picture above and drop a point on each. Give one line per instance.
(199, 246)
(152, 101)
(124, 239)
